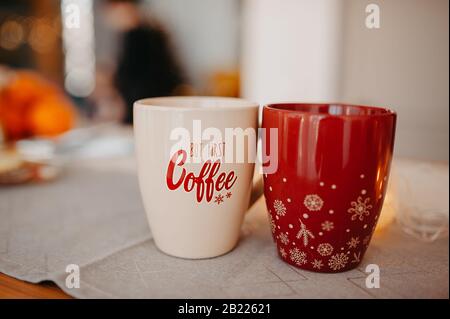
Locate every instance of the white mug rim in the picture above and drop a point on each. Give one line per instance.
(195, 103)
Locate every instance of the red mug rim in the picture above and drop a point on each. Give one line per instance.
(343, 110)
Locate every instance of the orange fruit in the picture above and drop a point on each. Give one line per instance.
(29, 105)
(51, 116)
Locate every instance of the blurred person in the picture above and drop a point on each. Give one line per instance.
(146, 65)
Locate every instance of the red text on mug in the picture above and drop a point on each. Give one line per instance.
(208, 184)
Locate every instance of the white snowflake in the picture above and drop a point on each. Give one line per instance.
(325, 249)
(279, 207)
(317, 264)
(356, 257)
(360, 208)
(283, 253)
(353, 242)
(327, 225)
(297, 256)
(284, 238)
(338, 261)
(313, 202)
(304, 233)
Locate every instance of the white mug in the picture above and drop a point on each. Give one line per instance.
(195, 192)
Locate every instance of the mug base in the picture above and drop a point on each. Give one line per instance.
(323, 269)
(195, 256)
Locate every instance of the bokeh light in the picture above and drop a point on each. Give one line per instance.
(12, 35)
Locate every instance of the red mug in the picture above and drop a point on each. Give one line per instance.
(325, 197)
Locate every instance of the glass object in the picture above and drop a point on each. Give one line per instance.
(423, 199)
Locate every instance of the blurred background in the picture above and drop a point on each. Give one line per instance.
(77, 63)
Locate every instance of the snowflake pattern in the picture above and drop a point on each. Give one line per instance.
(325, 249)
(313, 202)
(304, 233)
(317, 264)
(327, 225)
(360, 208)
(279, 207)
(218, 199)
(283, 237)
(353, 242)
(356, 257)
(297, 256)
(338, 261)
(229, 195)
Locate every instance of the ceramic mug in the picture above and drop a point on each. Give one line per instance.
(325, 198)
(195, 198)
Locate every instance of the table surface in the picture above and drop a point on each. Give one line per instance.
(13, 288)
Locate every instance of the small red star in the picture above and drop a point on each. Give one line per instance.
(218, 199)
(229, 194)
